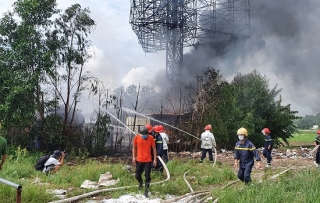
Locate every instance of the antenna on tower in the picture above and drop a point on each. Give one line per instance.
(171, 25)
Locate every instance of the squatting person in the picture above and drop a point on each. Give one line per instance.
(54, 163)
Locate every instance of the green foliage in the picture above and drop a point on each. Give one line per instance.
(245, 102)
(100, 135)
(36, 45)
(53, 128)
(261, 108)
(308, 121)
(227, 116)
(25, 62)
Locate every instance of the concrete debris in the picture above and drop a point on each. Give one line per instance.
(37, 181)
(104, 180)
(58, 193)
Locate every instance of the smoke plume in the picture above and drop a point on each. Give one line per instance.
(283, 46)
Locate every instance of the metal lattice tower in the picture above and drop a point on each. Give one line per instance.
(173, 24)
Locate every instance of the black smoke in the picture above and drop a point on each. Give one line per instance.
(284, 46)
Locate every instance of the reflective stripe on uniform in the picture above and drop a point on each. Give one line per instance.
(238, 148)
(268, 140)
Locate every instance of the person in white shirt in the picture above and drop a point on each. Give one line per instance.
(165, 140)
(207, 143)
(54, 163)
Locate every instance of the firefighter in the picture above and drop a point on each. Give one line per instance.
(165, 140)
(316, 143)
(267, 146)
(159, 146)
(244, 153)
(150, 129)
(207, 143)
(151, 133)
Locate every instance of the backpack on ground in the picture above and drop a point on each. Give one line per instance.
(40, 162)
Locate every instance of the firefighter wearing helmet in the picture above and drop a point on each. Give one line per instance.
(159, 146)
(165, 140)
(207, 143)
(267, 146)
(244, 154)
(317, 144)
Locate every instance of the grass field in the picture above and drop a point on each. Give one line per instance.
(303, 138)
(289, 187)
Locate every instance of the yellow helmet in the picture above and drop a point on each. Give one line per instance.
(242, 131)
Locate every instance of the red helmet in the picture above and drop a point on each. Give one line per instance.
(266, 130)
(161, 128)
(208, 127)
(149, 127)
(157, 129)
(318, 132)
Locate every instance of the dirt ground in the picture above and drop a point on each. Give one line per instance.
(282, 159)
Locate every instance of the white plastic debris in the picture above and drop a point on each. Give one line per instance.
(104, 180)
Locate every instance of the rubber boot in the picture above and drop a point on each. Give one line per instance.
(140, 185)
(146, 189)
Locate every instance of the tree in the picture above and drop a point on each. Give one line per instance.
(100, 131)
(227, 116)
(25, 60)
(308, 121)
(260, 108)
(203, 105)
(245, 102)
(37, 53)
(70, 35)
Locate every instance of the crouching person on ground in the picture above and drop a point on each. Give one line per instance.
(54, 163)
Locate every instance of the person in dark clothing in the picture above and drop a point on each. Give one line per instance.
(141, 157)
(3, 150)
(317, 143)
(267, 146)
(159, 146)
(244, 153)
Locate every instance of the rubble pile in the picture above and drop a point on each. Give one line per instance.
(276, 154)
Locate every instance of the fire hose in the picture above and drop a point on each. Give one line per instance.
(76, 198)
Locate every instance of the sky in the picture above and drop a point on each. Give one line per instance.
(284, 46)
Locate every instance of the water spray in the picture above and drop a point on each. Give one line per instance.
(122, 128)
(131, 111)
(126, 127)
(140, 114)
